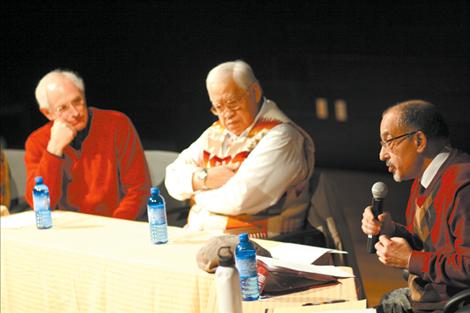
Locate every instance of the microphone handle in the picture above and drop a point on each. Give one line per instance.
(377, 209)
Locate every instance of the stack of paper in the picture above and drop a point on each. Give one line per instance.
(290, 269)
(300, 258)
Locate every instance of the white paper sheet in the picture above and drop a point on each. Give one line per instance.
(309, 268)
(300, 253)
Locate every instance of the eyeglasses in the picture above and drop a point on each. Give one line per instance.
(386, 143)
(76, 104)
(231, 105)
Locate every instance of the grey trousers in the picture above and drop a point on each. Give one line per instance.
(397, 301)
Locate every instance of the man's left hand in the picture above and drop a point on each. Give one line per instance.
(394, 252)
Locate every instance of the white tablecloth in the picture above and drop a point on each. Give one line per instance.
(87, 263)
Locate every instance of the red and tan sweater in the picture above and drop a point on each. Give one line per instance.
(108, 176)
(440, 261)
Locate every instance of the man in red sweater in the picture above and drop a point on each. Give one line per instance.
(434, 246)
(91, 159)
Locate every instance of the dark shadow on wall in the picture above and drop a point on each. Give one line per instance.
(149, 59)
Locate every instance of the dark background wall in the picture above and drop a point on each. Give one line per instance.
(149, 59)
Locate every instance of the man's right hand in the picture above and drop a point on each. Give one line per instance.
(61, 135)
(382, 225)
(219, 175)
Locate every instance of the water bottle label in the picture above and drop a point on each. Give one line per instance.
(246, 267)
(158, 233)
(41, 203)
(43, 219)
(157, 216)
(249, 288)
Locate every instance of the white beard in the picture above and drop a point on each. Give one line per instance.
(397, 177)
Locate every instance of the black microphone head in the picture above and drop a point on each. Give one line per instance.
(379, 190)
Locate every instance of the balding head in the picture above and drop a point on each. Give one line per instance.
(421, 115)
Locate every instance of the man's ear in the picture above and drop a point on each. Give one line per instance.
(257, 90)
(421, 141)
(47, 113)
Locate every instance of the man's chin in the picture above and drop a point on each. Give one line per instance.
(235, 130)
(400, 178)
(79, 127)
(397, 178)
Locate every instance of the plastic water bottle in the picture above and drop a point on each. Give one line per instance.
(227, 282)
(41, 203)
(245, 256)
(156, 212)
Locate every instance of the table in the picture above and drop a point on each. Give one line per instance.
(88, 263)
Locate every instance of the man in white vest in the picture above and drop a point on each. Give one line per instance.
(249, 171)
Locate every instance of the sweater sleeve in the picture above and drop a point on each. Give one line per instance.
(452, 269)
(39, 162)
(133, 172)
(412, 239)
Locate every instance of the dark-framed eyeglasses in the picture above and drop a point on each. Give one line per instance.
(386, 143)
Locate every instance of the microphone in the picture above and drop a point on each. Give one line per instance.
(379, 192)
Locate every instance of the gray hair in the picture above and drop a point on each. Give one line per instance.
(41, 88)
(238, 70)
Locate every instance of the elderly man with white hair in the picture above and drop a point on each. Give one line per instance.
(91, 159)
(249, 171)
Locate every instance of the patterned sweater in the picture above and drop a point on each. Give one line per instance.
(438, 229)
(108, 176)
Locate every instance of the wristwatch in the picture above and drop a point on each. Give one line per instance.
(202, 176)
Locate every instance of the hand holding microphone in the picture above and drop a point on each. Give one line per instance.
(379, 192)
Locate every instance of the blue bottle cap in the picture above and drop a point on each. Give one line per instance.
(38, 179)
(154, 191)
(243, 237)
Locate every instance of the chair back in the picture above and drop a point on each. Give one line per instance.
(157, 161)
(458, 303)
(15, 159)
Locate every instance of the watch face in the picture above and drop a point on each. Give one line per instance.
(202, 175)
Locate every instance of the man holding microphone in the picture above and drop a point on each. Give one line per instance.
(434, 246)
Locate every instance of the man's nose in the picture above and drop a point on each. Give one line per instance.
(74, 111)
(228, 113)
(383, 154)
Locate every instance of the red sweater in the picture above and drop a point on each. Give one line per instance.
(442, 262)
(108, 176)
